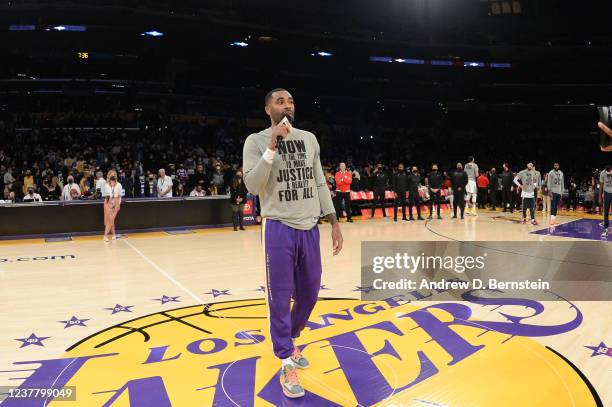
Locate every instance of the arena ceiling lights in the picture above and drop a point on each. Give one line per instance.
(62, 28)
(324, 54)
(440, 62)
(153, 33)
(22, 27)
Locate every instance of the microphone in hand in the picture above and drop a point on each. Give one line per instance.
(286, 120)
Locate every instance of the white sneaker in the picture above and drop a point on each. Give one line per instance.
(114, 237)
(106, 240)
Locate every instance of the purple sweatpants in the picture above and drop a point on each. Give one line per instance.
(293, 270)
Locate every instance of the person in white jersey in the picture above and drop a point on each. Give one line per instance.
(471, 190)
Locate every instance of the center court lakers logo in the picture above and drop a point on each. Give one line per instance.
(361, 353)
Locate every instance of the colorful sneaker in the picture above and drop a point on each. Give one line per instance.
(524, 221)
(534, 222)
(290, 382)
(300, 361)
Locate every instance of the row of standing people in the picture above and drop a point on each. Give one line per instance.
(463, 186)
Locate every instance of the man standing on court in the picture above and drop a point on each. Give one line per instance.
(379, 186)
(527, 182)
(538, 187)
(493, 187)
(282, 165)
(400, 187)
(605, 197)
(507, 182)
(414, 198)
(471, 169)
(344, 179)
(556, 185)
(459, 180)
(434, 183)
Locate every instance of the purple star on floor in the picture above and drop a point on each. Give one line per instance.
(323, 287)
(261, 288)
(364, 289)
(120, 308)
(164, 299)
(601, 349)
(74, 321)
(217, 293)
(32, 340)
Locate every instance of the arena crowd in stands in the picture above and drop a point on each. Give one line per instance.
(201, 156)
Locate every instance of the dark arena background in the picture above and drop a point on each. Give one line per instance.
(172, 307)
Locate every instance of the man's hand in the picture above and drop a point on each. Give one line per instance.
(337, 239)
(336, 234)
(605, 128)
(608, 131)
(281, 130)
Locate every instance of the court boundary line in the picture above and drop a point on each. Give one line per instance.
(164, 273)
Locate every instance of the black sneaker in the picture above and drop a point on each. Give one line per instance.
(429, 217)
(419, 218)
(350, 220)
(439, 217)
(394, 219)
(454, 217)
(235, 229)
(411, 218)
(242, 228)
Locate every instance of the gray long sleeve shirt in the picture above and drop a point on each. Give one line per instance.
(528, 180)
(291, 189)
(556, 182)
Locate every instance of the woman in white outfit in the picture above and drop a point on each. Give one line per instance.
(111, 191)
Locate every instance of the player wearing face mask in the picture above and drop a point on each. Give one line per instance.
(434, 182)
(459, 180)
(414, 199)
